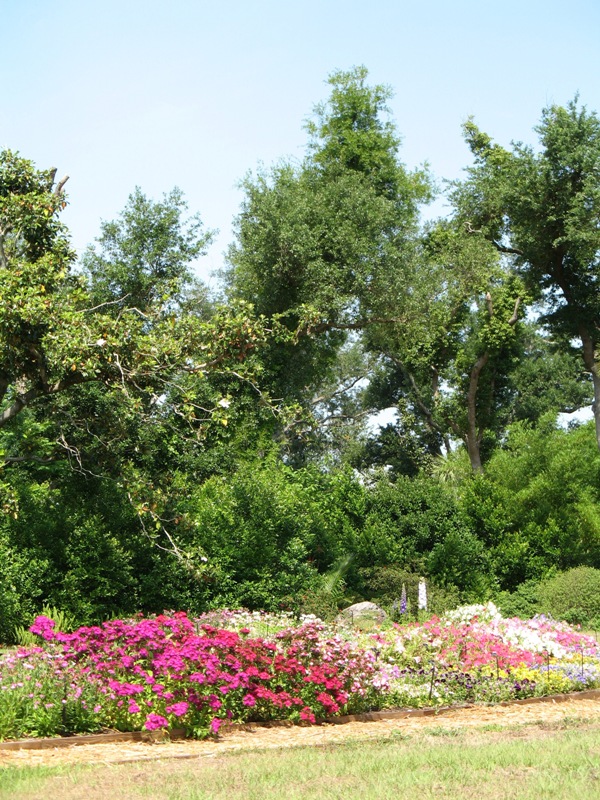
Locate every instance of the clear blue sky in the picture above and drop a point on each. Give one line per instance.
(194, 94)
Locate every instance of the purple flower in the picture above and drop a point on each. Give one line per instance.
(403, 600)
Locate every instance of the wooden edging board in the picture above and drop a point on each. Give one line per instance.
(369, 716)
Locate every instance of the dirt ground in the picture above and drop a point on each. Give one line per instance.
(518, 718)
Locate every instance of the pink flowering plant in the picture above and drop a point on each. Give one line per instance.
(43, 694)
(475, 655)
(170, 671)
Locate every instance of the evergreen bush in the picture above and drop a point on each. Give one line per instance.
(573, 595)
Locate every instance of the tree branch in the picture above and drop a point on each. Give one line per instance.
(60, 184)
(321, 327)
(18, 405)
(32, 394)
(102, 305)
(3, 259)
(342, 390)
(501, 248)
(515, 316)
(21, 459)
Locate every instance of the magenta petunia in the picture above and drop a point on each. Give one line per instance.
(178, 709)
(154, 722)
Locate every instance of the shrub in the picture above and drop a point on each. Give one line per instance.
(524, 602)
(573, 595)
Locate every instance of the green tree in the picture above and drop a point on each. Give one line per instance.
(548, 377)
(536, 506)
(146, 255)
(121, 322)
(324, 242)
(540, 207)
(452, 359)
(333, 246)
(119, 369)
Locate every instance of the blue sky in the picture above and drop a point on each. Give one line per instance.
(195, 94)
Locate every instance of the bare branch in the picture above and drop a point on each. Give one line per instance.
(60, 185)
(173, 549)
(515, 316)
(74, 455)
(322, 327)
(102, 305)
(501, 248)
(342, 390)
(21, 459)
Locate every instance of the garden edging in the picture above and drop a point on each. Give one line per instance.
(368, 716)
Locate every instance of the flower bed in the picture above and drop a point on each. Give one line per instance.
(172, 671)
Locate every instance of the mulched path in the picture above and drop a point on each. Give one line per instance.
(517, 717)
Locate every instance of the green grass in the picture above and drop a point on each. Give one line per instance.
(27, 781)
(526, 765)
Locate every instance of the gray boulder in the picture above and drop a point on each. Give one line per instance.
(363, 612)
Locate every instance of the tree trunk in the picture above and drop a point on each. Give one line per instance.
(474, 453)
(591, 364)
(472, 438)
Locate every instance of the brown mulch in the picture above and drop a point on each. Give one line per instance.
(514, 716)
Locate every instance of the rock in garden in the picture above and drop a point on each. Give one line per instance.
(363, 611)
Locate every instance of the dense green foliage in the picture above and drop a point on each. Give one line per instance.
(540, 206)
(159, 449)
(573, 595)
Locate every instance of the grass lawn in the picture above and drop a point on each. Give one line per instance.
(524, 762)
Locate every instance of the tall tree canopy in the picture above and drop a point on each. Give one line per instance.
(334, 244)
(329, 245)
(542, 207)
(119, 322)
(109, 366)
(451, 361)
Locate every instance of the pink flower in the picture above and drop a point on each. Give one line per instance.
(307, 714)
(43, 626)
(155, 721)
(216, 724)
(249, 700)
(178, 709)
